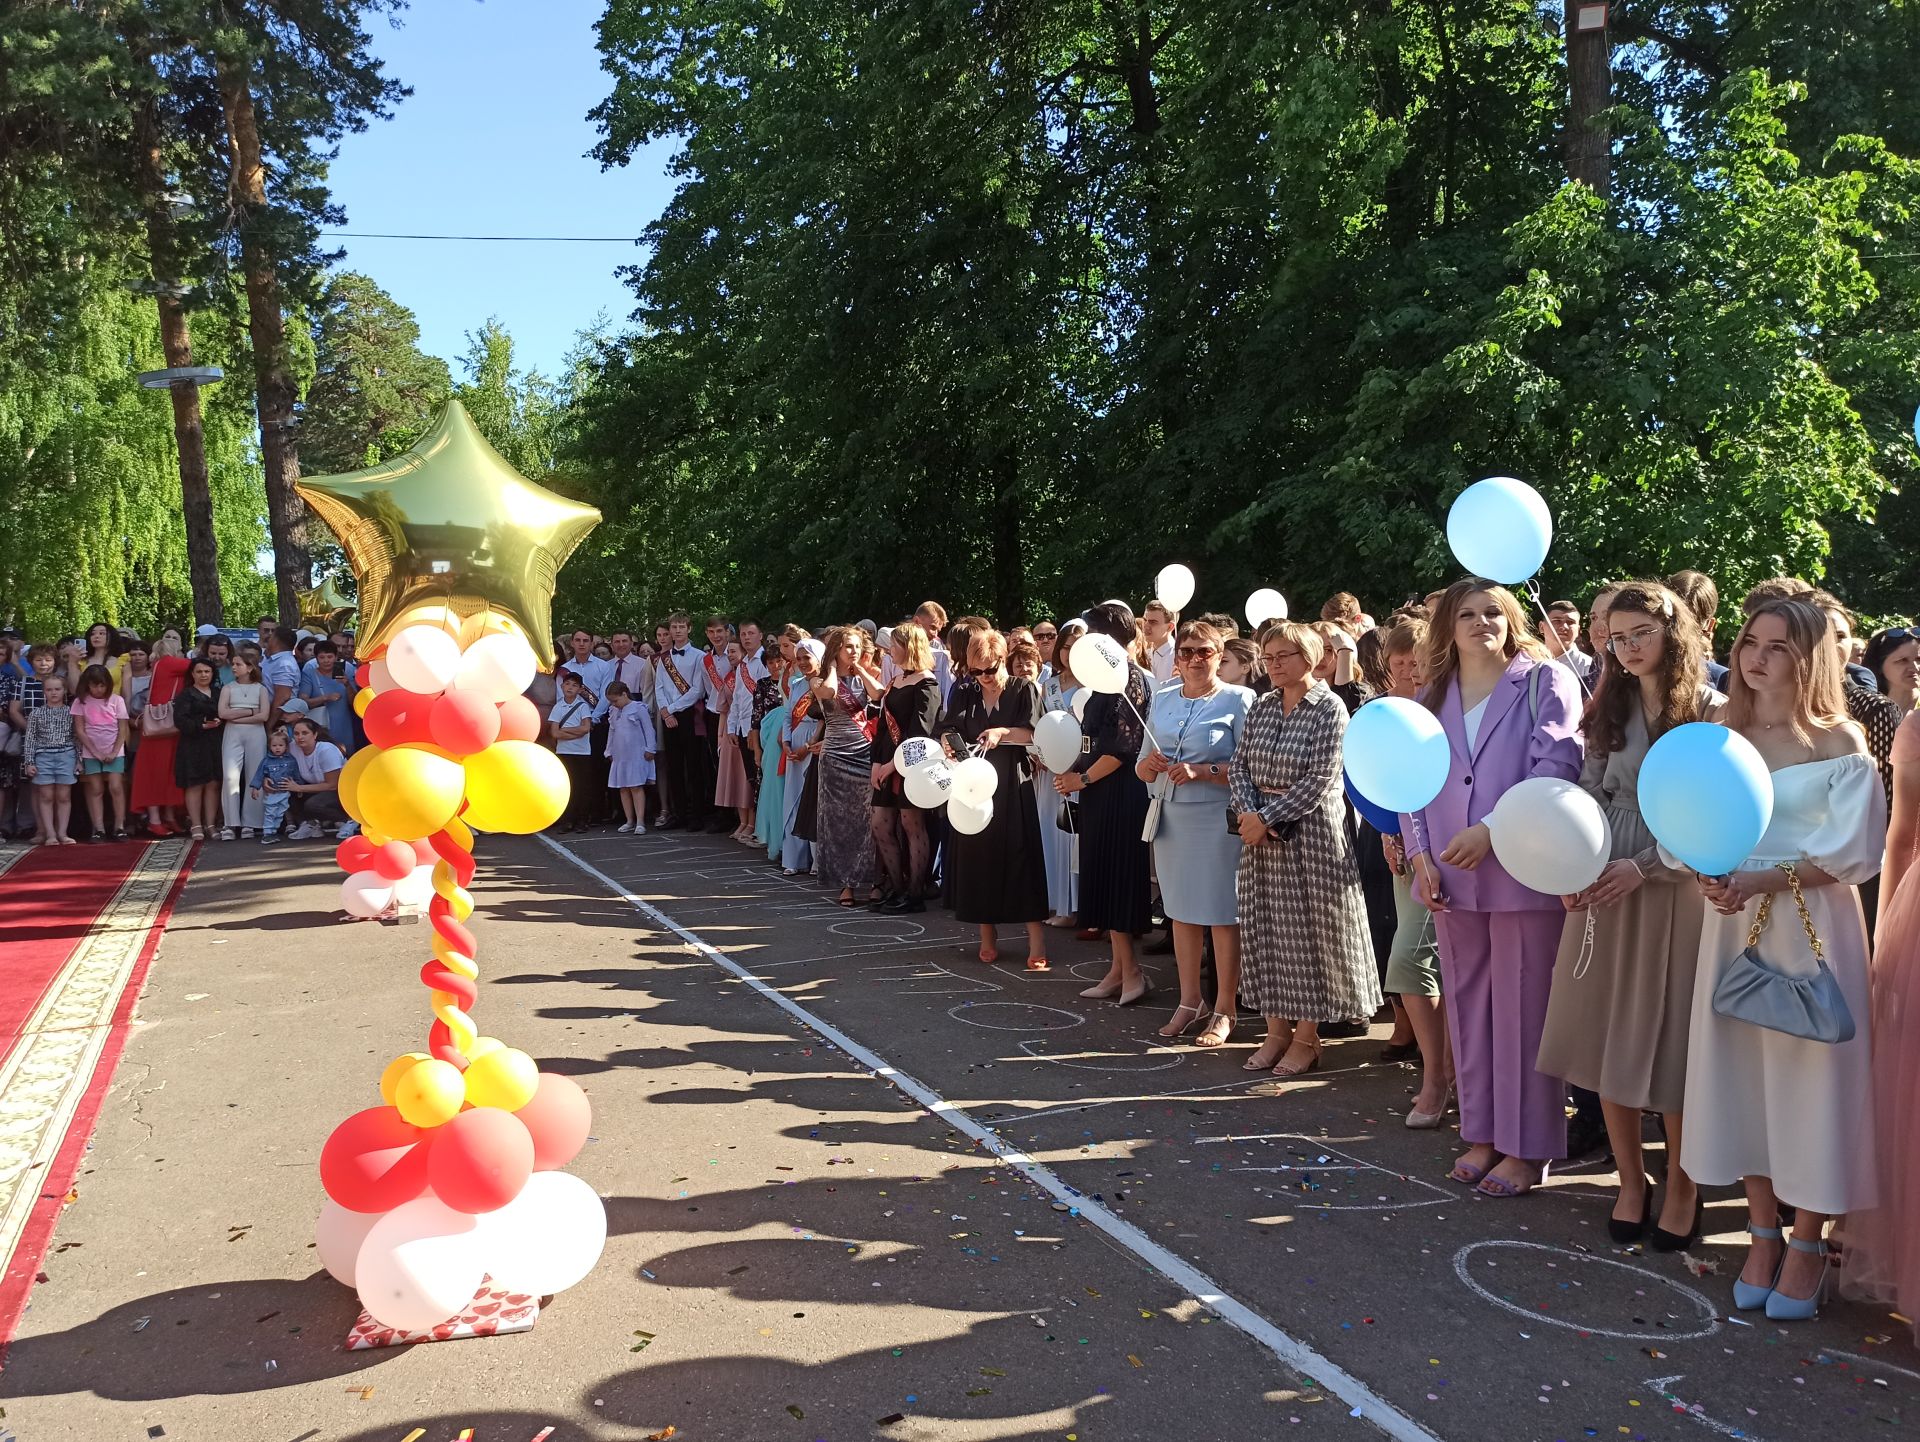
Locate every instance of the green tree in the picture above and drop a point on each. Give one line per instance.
(374, 391)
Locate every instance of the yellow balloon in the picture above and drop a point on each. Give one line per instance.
(362, 699)
(429, 1092)
(515, 786)
(505, 1078)
(406, 791)
(397, 1068)
(350, 775)
(482, 1045)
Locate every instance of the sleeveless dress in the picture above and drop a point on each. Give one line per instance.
(1619, 1012)
(999, 874)
(1883, 1241)
(844, 847)
(797, 730)
(1760, 1102)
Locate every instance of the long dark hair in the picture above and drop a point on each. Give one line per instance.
(1682, 669)
(1114, 620)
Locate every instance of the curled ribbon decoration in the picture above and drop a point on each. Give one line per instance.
(452, 973)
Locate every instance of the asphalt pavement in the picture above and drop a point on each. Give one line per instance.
(860, 1186)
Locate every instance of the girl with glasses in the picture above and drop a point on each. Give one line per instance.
(1623, 984)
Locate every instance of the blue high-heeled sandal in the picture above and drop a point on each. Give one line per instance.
(1799, 1309)
(1746, 1296)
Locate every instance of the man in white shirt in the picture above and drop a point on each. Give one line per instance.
(1562, 635)
(680, 689)
(719, 681)
(1160, 623)
(932, 618)
(594, 673)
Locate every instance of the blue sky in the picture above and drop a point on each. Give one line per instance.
(493, 141)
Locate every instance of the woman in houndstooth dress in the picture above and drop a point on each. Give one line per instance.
(1306, 955)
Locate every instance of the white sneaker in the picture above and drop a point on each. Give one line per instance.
(639, 828)
(305, 831)
(347, 828)
(625, 828)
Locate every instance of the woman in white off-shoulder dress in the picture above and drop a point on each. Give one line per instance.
(1791, 1119)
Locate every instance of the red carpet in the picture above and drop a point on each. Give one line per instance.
(79, 926)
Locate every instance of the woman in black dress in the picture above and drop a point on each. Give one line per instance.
(196, 761)
(1000, 873)
(909, 709)
(1115, 863)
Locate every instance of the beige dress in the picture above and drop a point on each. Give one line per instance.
(1617, 1018)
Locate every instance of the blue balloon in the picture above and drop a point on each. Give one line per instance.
(1386, 822)
(1397, 754)
(1706, 795)
(1500, 528)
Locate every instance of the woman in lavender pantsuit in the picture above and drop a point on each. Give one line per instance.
(1509, 714)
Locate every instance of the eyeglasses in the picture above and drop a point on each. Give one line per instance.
(1196, 653)
(1634, 641)
(1274, 658)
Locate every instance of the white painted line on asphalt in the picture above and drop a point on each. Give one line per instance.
(1709, 1321)
(1661, 1387)
(1361, 1399)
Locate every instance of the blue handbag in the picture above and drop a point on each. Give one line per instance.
(1810, 1007)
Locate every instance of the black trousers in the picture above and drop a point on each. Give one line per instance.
(689, 771)
(711, 742)
(580, 790)
(598, 801)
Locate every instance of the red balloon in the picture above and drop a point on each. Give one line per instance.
(374, 1161)
(423, 852)
(394, 860)
(464, 722)
(519, 720)
(395, 718)
(480, 1160)
(354, 854)
(559, 1117)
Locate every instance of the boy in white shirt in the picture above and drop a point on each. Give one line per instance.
(570, 727)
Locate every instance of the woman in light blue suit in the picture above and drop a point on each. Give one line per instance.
(1195, 723)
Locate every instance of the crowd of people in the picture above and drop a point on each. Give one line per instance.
(1206, 810)
(239, 736)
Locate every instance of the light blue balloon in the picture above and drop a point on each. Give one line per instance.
(1500, 528)
(1706, 795)
(1396, 754)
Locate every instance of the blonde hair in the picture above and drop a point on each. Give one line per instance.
(1443, 658)
(992, 647)
(1304, 639)
(914, 645)
(1819, 701)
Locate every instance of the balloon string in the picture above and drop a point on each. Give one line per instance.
(1585, 961)
(1533, 589)
(452, 973)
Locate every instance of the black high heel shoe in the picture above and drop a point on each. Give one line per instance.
(1627, 1233)
(1665, 1241)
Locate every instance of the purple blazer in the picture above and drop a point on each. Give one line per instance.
(1512, 746)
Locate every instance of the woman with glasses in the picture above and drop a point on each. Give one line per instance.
(1509, 714)
(1111, 804)
(1196, 723)
(1622, 996)
(1306, 957)
(1059, 838)
(999, 873)
(843, 846)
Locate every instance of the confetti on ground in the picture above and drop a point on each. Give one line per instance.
(662, 1435)
(646, 1340)
(991, 1372)
(796, 1413)
(1135, 1360)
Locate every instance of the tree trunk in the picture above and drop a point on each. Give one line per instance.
(1588, 140)
(196, 492)
(279, 454)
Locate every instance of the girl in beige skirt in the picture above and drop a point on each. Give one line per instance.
(1622, 997)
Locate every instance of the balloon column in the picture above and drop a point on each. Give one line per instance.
(455, 1178)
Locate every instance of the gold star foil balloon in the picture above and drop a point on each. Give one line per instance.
(323, 608)
(448, 534)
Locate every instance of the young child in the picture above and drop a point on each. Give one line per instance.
(270, 777)
(48, 753)
(100, 736)
(630, 755)
(569, 725)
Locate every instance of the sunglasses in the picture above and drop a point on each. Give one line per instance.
(983, 670)
(1045, 635)
(1195, 653)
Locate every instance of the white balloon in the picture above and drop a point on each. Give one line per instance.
(421, 1263)
(1057, 734)
(969, 820)
(1078, 705)
(415, 889)
(974, 781)
(1174, 586)
(1100, 662)
(338, 1235)
(423, 659)
(928, 783)
(547, 1238)
(916, 751)
(376, 677)
(366, 893)
(499, 666)
(1264, 605)
(1550, 835)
